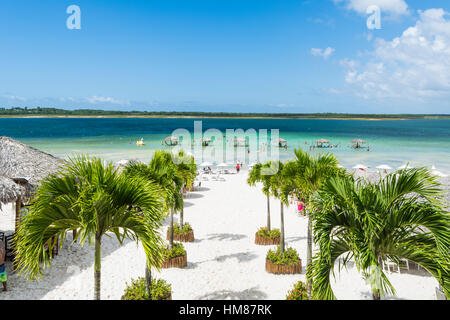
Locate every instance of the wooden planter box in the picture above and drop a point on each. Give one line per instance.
(188, 237)
(263, 241)
(168, 298)
(177, 262)
(280, 269)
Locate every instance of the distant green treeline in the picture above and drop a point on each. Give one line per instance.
(91, 112)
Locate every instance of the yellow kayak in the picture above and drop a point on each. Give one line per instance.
(140, 143)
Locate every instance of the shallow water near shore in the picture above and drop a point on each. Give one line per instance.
(392, 142)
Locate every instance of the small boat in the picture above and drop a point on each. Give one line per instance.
(140, 142)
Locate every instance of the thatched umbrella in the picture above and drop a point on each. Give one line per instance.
(19, 160)
(321, 142)
(280, 142)
(11, 191)
(358, 142)
(25, 166)
(171, 141)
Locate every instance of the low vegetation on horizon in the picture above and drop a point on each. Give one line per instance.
(23, 112)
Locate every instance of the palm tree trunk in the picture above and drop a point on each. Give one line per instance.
(97, 266)
(148, 280)
(376, 295)
(309, 254)
(182, 217)
(268, 213)
(171, 230)
(282, 229)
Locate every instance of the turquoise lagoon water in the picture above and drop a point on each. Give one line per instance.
(419, 142)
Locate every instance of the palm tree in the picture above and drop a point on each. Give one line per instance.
(401, 217)
(276, 186)
(255, 176)
(187, 171)
(95, 199)
(162, 171)
(303, 176)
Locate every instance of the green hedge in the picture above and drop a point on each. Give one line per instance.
(272, 234)
(299, 292)
(160, 290)
(289, 258)
(177, 251)
(185, 230)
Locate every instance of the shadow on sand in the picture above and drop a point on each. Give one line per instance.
(225, 236)
(72, 258)
(194, 196)
(249, 294)
(240, 256)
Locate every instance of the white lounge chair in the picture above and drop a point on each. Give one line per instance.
(387, 265)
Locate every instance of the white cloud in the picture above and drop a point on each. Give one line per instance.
(13, 97)
(325, 53)
(96, 99)
(333, 91)
(389, 7)
(415, 65)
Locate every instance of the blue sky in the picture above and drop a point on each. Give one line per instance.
(227, 55)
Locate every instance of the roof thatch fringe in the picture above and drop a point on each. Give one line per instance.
(9, 190)
(20, 160)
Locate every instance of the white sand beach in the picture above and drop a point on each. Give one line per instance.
(223, 262)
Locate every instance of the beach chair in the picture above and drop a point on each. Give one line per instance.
(405, 262)
(387, 264)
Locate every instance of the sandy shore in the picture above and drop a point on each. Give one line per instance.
(223, 262)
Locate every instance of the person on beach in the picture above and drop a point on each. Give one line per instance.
(3, 277)
(238, 168)
(300, 207)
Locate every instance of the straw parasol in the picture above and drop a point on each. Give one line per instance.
(357, 143)
(206, 142)
(171, 141)
(280, 142)
(240, 142)
(10, 191)
(20, 160)
(25, 167)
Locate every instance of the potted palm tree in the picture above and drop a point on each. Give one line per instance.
(95, 199)
(282, 260)
(163, 172)
(261, 173)
(302, 177)
(401, 217)
(187, 171)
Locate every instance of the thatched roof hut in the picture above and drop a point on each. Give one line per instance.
(9, 190)
(19, 160)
